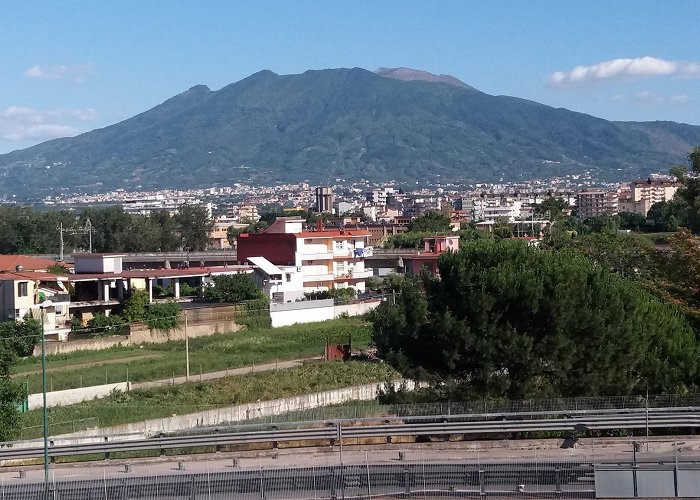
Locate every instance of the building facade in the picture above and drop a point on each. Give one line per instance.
(325, 259)
(595, 203)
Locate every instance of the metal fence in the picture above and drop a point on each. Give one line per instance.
(476, 408)
(57, 428)
(415, 479)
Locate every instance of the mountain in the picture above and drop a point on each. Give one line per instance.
(409, 75)
(342, 123)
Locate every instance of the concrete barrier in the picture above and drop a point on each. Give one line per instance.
(301, 312)
(73, 396)
(239, 413)
(141, 336)
(356, 308)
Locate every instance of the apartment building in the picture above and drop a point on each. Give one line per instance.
(22, 292)
(595, 203)
(325, 259)
(642, 194)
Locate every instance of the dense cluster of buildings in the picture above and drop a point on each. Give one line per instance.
(291, 261)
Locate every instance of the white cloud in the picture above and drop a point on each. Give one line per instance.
(18, 123)
(624, 68)
(78, 73)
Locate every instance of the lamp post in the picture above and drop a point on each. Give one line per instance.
(42, 307)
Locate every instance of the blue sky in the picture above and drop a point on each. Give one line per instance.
(69, 67)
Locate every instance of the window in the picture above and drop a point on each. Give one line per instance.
(288, 276)
(22, 289)
(338, 245)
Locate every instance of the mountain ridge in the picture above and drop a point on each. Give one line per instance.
(346, 123)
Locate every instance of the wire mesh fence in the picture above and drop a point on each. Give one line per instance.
(538, 478)
(468, 410)
(58, 428)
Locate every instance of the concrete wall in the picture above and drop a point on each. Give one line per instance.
(141, 336)
(73, 396)
(301, 312)
(356, 308)
(240, 413)
(316, 310)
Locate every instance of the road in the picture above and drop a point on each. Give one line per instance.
(314, 473)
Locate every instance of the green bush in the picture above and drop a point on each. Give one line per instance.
(255, 313)
(232, 288)
(186, 290)
(20, 336)
(162, 316)
(135, 305)
(110, 325)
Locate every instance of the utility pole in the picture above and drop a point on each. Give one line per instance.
(86, 229)
(187, 350)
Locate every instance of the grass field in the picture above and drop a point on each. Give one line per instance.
(207, 354)
(139, 405)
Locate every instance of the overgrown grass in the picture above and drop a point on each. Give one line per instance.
(135, 406)
(660, 238)
(207, 354)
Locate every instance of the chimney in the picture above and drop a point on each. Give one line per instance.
(19, 268)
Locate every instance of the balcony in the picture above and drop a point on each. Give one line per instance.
(307, 278)
(327, 255)
(354, 275)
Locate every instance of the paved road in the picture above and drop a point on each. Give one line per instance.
(438, 470)
(281, 365)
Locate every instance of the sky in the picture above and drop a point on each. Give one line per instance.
(69, 67)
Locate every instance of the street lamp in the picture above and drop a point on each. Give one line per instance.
(42, 307)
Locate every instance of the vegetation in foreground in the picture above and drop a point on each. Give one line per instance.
(508, 320)
(138, 405)
(207, 354)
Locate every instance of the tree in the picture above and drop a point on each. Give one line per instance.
(232, 233)
(194, 225)
(135, 305)
(430, 222)
(552, 207)
(16, 339)
(502, 228)
(685, 206)
(164, 226)
(20, 336)
(626, 254)
(232, 288)
(508, 320)
(694, 159)
(110, 226)
(631, 220)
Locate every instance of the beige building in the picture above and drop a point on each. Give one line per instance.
(22, 292)
(643, 194)
(596, 202)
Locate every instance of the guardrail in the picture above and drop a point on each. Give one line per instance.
(336, 431)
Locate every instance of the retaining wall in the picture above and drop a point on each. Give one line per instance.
(73, 396)
(356, 308)
(240, 413)
(141, 335)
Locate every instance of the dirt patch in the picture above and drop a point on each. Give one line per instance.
(88, 364)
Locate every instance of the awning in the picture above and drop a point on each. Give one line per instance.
(266, 266)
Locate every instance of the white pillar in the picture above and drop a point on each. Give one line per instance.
(150, 290)
(105, 293)
(176, 287)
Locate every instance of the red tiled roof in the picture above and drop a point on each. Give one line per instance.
(10, 262)
(159, 273)
(330, 234)
(33, 275)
